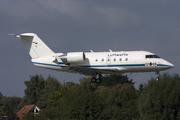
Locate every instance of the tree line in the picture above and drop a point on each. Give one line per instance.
(115, 98)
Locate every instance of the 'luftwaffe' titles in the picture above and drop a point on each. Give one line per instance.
(114, 54)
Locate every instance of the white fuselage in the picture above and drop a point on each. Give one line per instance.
(110, 62)
(91, 63)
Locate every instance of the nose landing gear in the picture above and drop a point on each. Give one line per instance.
(157, 76)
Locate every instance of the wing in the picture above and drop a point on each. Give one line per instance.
(93, 71)
(84, 71)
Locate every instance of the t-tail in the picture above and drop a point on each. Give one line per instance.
(35, 46)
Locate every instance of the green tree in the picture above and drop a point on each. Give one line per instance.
(52, 113)
(88, 101)
(57, 96)
(113, 79)
(1, 104)
(160, 100)
(51, 85)
(38, 90)
(86, 85)
(120, 101)
(1, 95)
(91, 101)
(86, 107)
(10, 105)
(141, 87)
(34, 89)
(28, 116)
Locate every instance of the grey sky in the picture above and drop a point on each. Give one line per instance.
(78, 25)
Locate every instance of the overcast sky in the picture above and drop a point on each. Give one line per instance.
(81, 25)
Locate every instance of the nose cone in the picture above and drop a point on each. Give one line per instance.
(164, 65)
(168, 65)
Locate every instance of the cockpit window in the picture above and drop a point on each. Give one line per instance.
(152, 56)
(155, 56)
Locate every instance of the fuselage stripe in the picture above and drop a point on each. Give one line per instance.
(85, 66)
(119, 65)
(45, 64)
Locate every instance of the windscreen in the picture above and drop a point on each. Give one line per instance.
(152, 56)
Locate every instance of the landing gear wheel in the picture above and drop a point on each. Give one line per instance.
(93, 80)
(98, 80)
(157, 76)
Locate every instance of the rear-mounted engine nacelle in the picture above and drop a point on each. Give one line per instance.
(73, 57)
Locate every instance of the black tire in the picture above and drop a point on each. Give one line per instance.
(93, 80)
(98, 80)
(157, 79)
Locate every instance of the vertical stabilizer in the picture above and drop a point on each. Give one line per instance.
(35, 46)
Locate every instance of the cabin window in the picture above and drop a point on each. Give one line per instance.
(126, 59)
(102, 59)
(120, 59)
(108, 59)
(114, 59)
(96, 60)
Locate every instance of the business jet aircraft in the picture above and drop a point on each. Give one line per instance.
(92, 63)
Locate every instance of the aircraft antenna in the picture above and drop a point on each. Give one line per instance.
(91, 51)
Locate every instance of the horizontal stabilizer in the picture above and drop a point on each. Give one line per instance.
(22, 35)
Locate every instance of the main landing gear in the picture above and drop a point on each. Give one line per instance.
(157, 76)
(96, 80)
